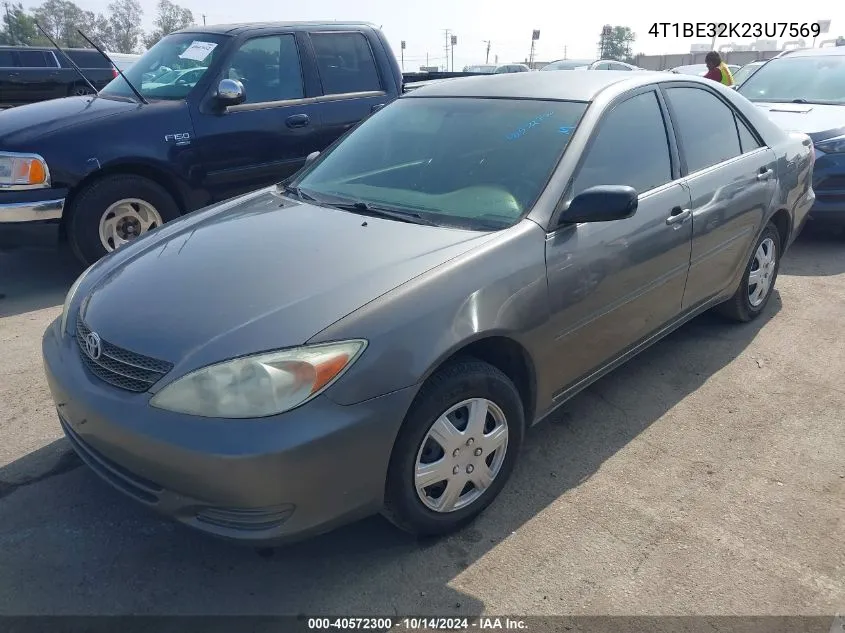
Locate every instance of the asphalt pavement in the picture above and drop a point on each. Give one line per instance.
(704, 477)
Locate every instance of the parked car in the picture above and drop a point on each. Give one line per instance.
(123, 60)
(568, 64)
(805, 90)
(612, 64)
(106, 169)
(741, 75)
(489, 69)
(378, 332)
(31, 74)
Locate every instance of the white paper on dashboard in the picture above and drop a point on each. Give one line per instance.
(198, 51)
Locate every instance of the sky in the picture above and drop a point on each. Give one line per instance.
(567, 29)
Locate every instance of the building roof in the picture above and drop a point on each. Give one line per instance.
(569, 85)
(235, 29)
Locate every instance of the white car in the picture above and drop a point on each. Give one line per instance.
(187, 76)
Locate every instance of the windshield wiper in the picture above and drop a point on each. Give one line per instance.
(799, 100)
(115, 66)
(298, 192)
(377, 211)
(72, 63)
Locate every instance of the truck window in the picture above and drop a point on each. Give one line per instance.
(85, 59)
(7, 59)
(345, 63)
(36, 59)
(269, 69)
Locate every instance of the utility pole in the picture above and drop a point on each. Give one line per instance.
(403, 55)
(535, 35)
(448, 32)
(203, 19)
(487, 56)
(454, 42)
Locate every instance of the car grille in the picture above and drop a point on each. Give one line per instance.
(120, 367)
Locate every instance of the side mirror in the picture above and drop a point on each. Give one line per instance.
(230, 92)
(311, 158)
(603, 203)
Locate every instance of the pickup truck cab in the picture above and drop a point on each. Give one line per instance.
(259, 99)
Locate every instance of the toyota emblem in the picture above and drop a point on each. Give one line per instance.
(93, 345)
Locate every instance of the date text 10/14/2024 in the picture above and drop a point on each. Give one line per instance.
(483, 623)
(735, 29)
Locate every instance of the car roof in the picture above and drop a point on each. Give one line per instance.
(236, 29)
(579, 85)
(814, 52)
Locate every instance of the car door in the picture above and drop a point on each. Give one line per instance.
(731, 177)
(266, 138)
(352, 86)
(9, 77)
(612, 284)
(39, 76)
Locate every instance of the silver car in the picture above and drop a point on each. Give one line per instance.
(378, 333)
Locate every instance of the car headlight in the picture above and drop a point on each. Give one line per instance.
(69, 299)
(835, 145)
(260, 385)
(23, 171)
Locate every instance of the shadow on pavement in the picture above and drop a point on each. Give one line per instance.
(70, 544)
(817, 252)
(34, 279)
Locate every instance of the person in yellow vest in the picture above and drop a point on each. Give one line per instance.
(717, 70)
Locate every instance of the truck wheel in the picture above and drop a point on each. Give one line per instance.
(110, 212)
(79, 90)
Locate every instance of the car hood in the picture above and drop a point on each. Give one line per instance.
(820, 122)
(25, 123)
(258, 273)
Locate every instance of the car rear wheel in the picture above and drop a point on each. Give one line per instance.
(80, 90)
(456, 449)
(115, 210)
(758, 281)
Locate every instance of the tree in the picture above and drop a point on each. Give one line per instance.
(124, 25)
(61, 19)
(171, 17)
(615, 43)
(18, 27)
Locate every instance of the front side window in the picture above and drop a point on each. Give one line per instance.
(631, 131)
(819, 79)
(471, 162)
(269, 69)
(345, 63)
(705, 126)
(172, 54)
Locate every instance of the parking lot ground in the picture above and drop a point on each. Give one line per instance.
(704, 477)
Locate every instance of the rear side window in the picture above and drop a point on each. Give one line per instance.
(86, 59)
(747, 141)
(7, 59)
(36, 59)
(633, 129)
(345, 62)
(705, 127)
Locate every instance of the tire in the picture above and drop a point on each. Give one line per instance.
(460, 381)
(740, 307)
(78, 90)
(92, 203)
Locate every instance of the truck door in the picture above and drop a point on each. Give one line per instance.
(352, 86)
(40, 76)
(266, 138)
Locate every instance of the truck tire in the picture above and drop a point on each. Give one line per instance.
(79, 90)
(113, 211)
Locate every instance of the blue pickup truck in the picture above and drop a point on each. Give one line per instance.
(206, 114)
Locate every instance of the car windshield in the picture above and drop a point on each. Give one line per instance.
(567, 64)
(818, 79)
(479, 69)
(468, 162)
(695, 69)
(175, 54)
(745, 72)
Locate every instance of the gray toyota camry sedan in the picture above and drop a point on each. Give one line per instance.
(377, 333)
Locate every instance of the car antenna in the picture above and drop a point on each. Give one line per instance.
(115, 66)
(72, 63)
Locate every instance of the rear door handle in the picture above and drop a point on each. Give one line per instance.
(765, 174)
(678, 215)
(298, 120)
(377, 107)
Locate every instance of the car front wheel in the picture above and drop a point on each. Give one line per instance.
(456, 449)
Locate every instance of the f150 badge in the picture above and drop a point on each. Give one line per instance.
(180, 139)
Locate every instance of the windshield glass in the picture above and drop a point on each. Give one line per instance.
(803, 79)
(479, 69)
(567, 64)
(157, 74)
(469, 162)
(745, 72)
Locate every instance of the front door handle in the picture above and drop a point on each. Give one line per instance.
(298, 120)
(765, 174)
(678, 215)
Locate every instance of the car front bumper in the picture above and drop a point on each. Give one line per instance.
(829, 185)
(260, 481)
(30, 218)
